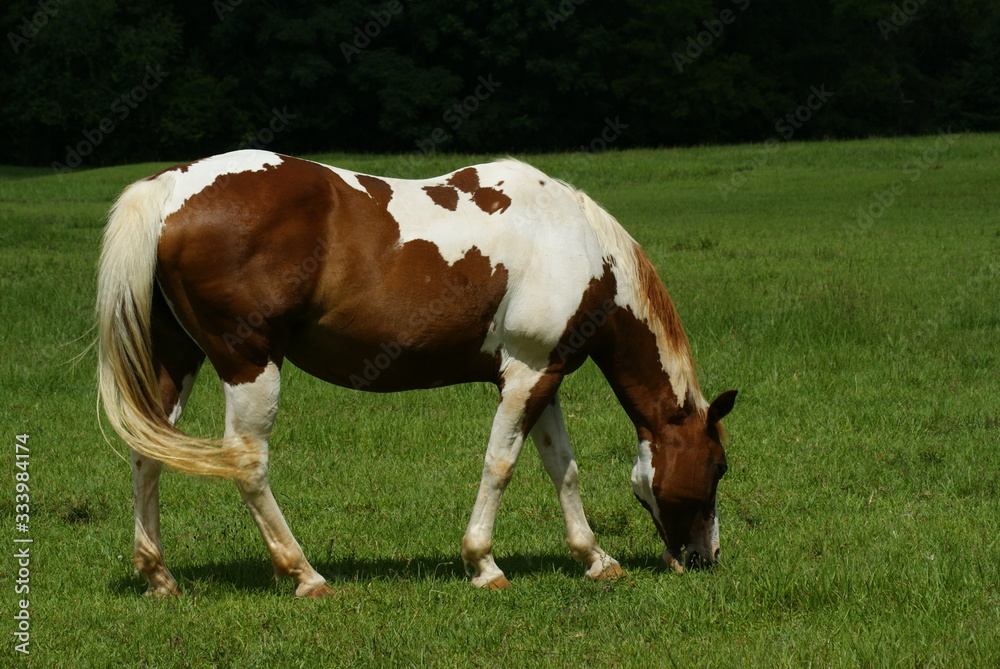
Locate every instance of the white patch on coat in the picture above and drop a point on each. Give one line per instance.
(252, 406)
(642, 478)
(201, 174)
(714, 538)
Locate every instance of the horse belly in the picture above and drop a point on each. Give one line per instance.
(389, 361)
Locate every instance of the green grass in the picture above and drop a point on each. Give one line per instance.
(860, 515)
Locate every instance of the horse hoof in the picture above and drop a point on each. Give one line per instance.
(611, 572)
(315, 592)
(499, 583)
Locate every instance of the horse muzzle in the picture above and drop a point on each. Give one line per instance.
(689, 559)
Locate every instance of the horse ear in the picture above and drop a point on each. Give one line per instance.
(721, 406)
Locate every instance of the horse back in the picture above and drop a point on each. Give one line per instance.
(369, 282)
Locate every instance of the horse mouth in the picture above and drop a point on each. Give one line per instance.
(685, 559)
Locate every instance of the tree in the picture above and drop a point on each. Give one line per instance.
(102, 82)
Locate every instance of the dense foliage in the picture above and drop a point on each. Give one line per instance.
(102, 81)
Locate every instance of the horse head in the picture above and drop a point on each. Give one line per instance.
(676, 478)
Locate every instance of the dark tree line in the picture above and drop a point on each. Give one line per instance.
(92, 82)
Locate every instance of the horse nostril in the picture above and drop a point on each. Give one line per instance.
(715, 555)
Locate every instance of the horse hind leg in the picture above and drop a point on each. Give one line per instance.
(552, 441)
(250, 412)
(177, 359)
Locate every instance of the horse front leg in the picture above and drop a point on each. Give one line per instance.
(525, 391)
(552, 441)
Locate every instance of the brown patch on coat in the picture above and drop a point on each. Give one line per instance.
(380, 191)
(630, 359)
(491, 200)
(176, 168)
(443, 196)
(633, 365)
(540, 396)
(241, 259)
(465, 180)
(419, 324)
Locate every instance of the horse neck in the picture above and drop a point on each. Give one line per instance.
(648, 360)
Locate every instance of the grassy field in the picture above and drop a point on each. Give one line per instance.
(849, 290)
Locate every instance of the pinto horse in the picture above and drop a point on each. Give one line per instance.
(495, 272)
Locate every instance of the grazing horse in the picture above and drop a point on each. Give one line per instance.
(495, 272)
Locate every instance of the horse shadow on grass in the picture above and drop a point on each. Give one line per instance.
(253, 575)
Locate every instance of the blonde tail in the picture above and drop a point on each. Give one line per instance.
(128, 383)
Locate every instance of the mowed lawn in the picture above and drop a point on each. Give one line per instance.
(849, 290)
